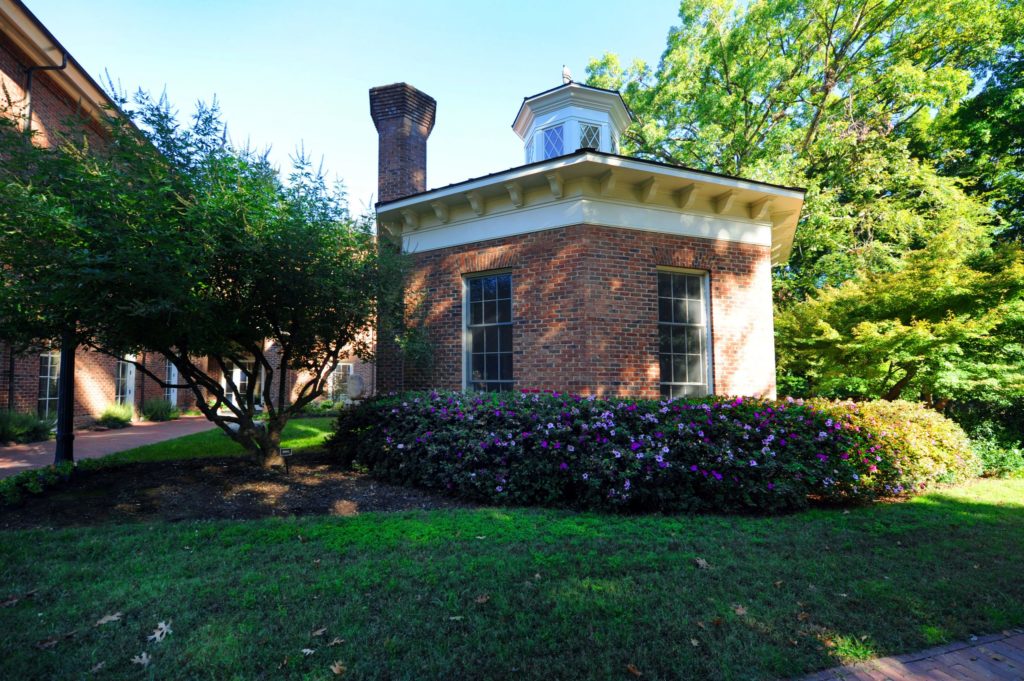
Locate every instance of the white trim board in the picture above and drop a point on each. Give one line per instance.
(581, 210)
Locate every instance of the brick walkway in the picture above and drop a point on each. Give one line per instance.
(999, 657)
(92, 444)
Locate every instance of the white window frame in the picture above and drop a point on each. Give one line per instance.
(709, 336)
(333, 377)
(593, 124)
(48, 397)
(544, 139)
(467, 337)
(171, 376)
(236, 375)
(124, 386)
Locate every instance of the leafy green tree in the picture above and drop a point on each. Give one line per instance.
(893, 287)
(168, 239)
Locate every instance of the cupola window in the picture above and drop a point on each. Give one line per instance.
(590, 136)
(553, 142)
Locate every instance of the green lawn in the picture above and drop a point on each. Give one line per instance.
(517, 594)
(298, 434)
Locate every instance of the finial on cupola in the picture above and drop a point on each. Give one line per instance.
(566, 75)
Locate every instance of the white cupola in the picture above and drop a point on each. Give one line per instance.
(570, 117)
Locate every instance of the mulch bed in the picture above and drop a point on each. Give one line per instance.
(217, 488)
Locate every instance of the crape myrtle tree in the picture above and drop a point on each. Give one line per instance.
(170, 240)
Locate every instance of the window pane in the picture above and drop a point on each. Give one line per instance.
(505, 286)
(504, 311)
(664, 338)
(664, 309)
(693, 288)
(491, 366)
(492, 340)
(664, 285)
(590, 136)
(490, 312)
(679, 337)
(476, 313)
(553, 142)
(679, 311)
(490, 288)
(693, 312)
(476, 341)
(478, 366)
(506, 366)
(505, 338)
(679, 369)
(475, 290)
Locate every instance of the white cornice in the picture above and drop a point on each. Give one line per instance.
(624, 192)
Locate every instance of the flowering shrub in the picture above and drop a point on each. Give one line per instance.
(712, 454)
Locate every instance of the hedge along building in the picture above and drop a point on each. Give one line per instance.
(582, 270)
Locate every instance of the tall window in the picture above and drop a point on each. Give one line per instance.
(553, 142)
(337, 382)
(683, 334)
(124, 382)
(590, 136)
(49, 372)
(171, 377)
(241, 374)
(489, 333)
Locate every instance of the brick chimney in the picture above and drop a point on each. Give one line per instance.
(404, 117)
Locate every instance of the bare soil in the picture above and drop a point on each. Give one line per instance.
(216, 488)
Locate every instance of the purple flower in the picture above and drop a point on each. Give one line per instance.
(718, 476)
(771, 486)
(823, 457)
(499, 488)
(753, 463)
(693, 468)
(563, 466)
(627, 485)
(586, 476)
(635, 445)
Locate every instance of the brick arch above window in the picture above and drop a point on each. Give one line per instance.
(692, 258)
(504, 257)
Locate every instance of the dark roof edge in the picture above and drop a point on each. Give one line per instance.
(580, 152)
(71, 60)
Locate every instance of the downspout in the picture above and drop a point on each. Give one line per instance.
(28, 87)
(10, 378)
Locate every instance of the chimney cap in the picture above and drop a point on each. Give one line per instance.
(400, 100)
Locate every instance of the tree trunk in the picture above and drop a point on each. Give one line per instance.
(65, 449)
(270, 445)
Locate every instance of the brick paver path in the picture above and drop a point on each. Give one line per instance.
(92, 444)
(999, 657)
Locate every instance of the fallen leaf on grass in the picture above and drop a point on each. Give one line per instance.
(143, 659)
(319, 632)
(718, 621)
(456, 618)
(107, 619)
(13, 600)
(803, 617)
(48, 643)
(338, 668)
(97, 667)
(778, 583)
(335, 642)
(701, 624)
(481, 536)
(694, 642)
(482, 598)
(631, 668)
(739, 610)
(284, 663)
(160, 633)
(302, 540)
(308, 651)
(701, 563)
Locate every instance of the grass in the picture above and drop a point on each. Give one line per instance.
(516, 593)
(298, 434)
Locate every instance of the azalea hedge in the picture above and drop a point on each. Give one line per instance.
(711, 454)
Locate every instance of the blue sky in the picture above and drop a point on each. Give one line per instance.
(297, 72)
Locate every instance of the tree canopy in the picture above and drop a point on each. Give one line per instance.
(902, 118)
(167, 238)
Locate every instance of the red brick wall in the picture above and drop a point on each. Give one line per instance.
(585, 310)
(51, 108)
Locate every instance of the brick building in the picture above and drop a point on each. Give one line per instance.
(46, 98)
(582, 270)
